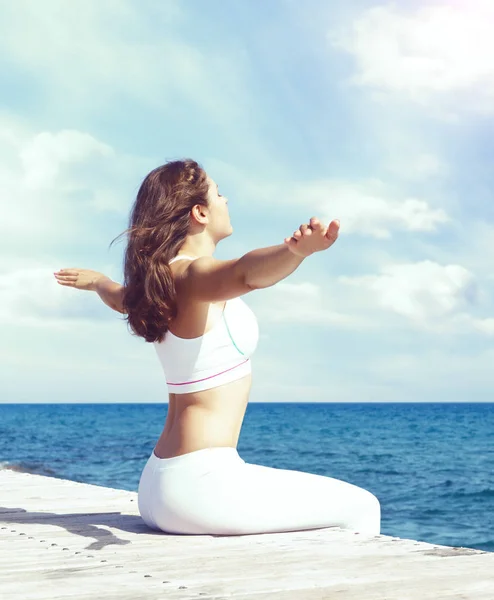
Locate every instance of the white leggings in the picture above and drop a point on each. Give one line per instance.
(214, 491)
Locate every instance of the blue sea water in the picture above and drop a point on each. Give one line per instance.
(430, 465)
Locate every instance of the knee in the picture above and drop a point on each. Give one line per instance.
(374, 505)
(371, 500)
(369, 513)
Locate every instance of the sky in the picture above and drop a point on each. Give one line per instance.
(379, 114)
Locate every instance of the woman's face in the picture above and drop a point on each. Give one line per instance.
(219, 217)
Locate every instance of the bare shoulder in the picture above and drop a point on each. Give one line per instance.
(208, 279)
(195, 315)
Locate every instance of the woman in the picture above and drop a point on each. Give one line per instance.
(187, 303)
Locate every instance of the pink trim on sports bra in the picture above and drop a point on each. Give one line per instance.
(219, 356)
(211, 376)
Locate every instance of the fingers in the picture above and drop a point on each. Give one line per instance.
(66, 277)
(333, 230)
(315, 226)
(71, 271)
(302, 231)
(67, 283)
(291, 242)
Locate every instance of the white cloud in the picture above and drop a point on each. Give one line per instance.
(95, 56)
(44, 155)
(417, 166)
(55, 184)
(451, 374)
(467, 322)
(31, 296)
(436, 50)
(420, 291)
(303, 303)
(476, 245)
(71, 45)
(369, 207)
(430, 296)
(484, 325)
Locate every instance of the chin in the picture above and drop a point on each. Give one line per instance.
(224, 235)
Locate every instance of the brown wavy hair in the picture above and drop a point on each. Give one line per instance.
(158, 226)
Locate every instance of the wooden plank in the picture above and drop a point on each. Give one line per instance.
(53, 545)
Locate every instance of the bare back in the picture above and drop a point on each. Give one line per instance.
(208, 418)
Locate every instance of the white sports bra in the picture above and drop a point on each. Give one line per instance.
(220, 356)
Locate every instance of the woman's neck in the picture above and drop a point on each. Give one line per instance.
(197, 247)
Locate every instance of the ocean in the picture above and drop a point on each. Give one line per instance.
(430, 465)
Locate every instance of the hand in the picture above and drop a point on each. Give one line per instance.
(81, 279)
(313, 237)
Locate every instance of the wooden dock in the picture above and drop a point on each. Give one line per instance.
(63, 539)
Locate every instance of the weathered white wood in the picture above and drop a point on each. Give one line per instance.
(64, 539)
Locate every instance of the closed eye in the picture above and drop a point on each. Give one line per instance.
(218, 192)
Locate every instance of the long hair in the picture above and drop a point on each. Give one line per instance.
(158, 226)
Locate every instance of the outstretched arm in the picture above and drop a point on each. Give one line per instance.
(109, 291)
(212, 280)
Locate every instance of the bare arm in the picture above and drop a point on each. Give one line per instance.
(210, 280)
(266, 266)
(109, 291)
